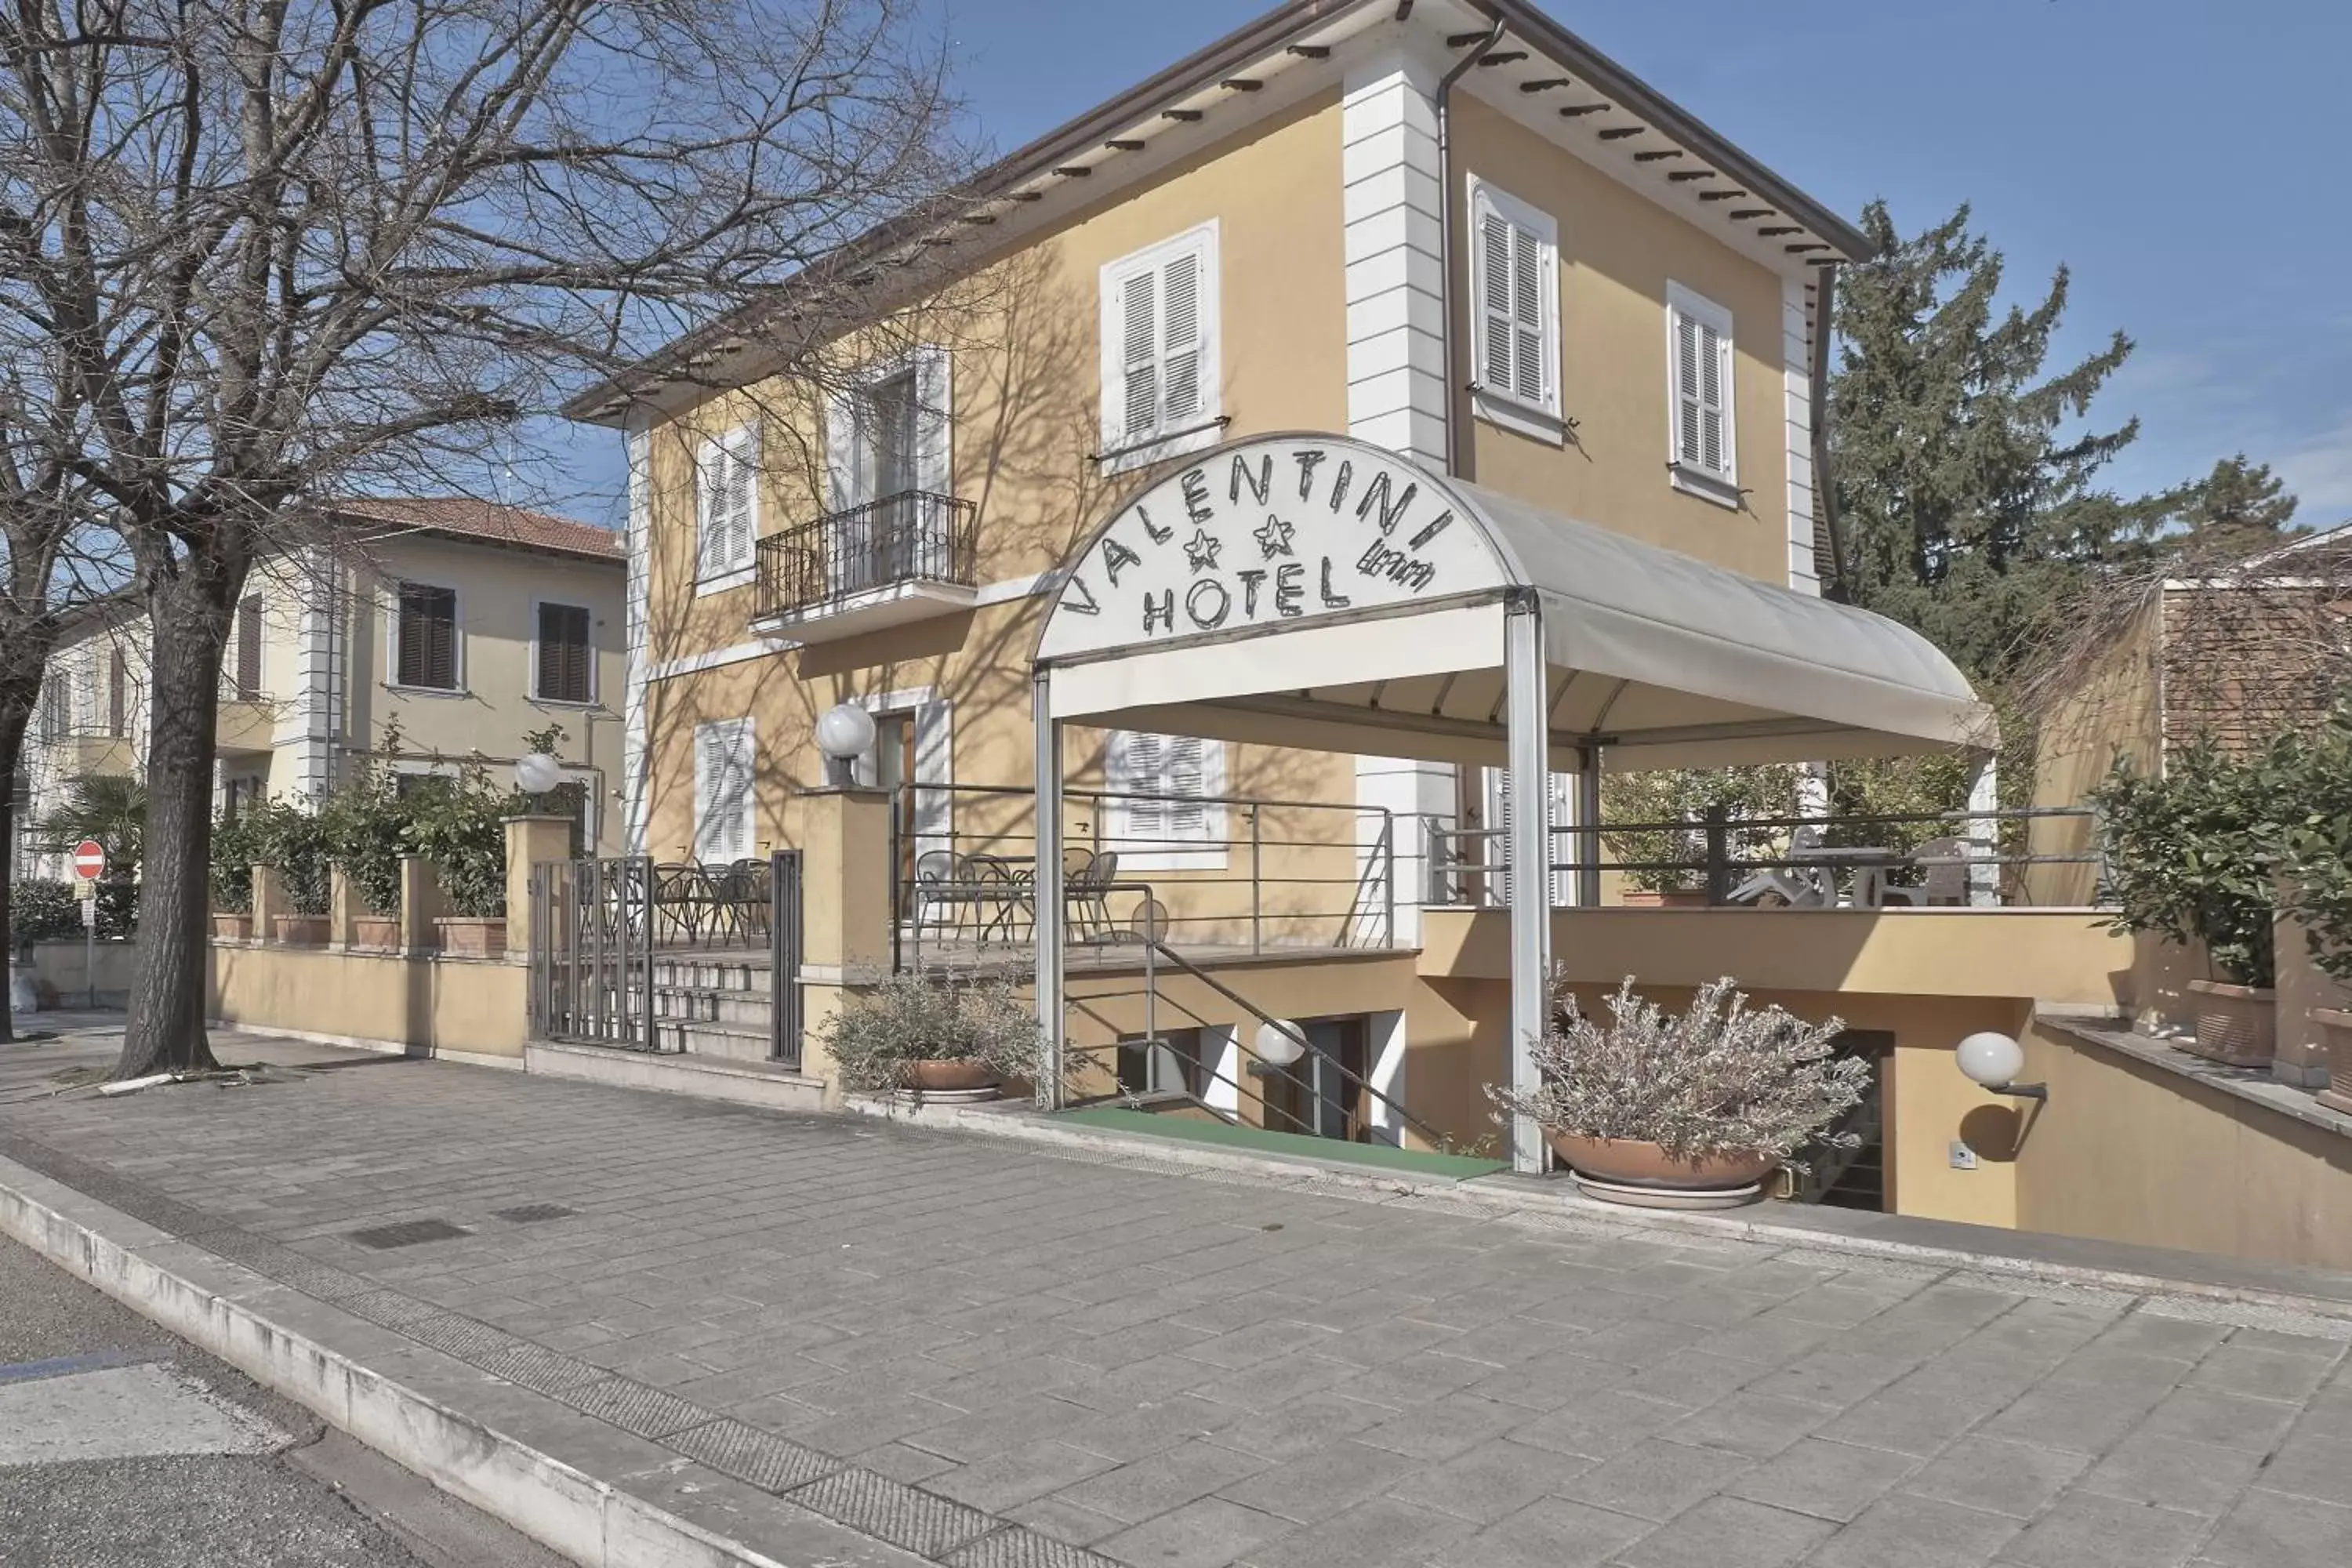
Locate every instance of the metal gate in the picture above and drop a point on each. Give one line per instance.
(592, 952)
(624, 952)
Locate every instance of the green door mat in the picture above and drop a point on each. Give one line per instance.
(1256, 1140)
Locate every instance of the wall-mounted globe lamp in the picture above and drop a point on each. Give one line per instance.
(1992, 1061)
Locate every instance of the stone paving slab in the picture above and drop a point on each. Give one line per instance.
(985, 1353)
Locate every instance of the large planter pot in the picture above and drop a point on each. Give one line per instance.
(232, 927)
(1666, 899)
(948, 1077)
(301, 930)
(377, 933)
(2335, 1028)
(466, 936)
(1631, 1170)
(2236, 1024)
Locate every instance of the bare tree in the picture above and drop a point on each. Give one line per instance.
(292, 249)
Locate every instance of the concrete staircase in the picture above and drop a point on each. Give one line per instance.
(713, 1004)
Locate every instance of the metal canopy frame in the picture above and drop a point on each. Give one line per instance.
(1421, 616)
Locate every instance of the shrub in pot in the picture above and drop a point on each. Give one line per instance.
(2316, 860)
(460, 825)
(368, 821)
(2189, 857)
(934, 1033)
(297, 845)
(1710, 1100)
(236, 847)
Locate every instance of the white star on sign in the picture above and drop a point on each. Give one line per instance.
(1200, 550)
(1274, 537)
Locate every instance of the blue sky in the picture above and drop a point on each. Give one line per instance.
(2185, 157)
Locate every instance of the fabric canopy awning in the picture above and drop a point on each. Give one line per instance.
(1313, 591)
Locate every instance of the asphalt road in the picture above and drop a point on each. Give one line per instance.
(122, 1447)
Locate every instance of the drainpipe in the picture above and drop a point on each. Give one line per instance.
(1454, 379)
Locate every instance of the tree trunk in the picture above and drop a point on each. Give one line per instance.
(16, 714)
(189, 614)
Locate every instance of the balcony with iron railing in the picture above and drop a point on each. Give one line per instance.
(905, 557)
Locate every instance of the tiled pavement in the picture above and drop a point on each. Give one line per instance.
(977, 1350)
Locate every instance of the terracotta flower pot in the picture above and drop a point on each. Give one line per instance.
(2335, 1028)
(471, 937)
(948, 1077)
(301, 930)
(232, 927)
(1635, 1162)
(2237, 1025)
(380, 933)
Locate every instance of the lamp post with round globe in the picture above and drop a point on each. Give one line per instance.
(1992, 1061)
(1276, 1046)
(845, 733)
(536, 772)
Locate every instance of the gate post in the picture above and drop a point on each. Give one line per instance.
(846, 881)
(530, 841)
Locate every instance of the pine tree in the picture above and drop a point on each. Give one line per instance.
(1968, 499)
(2239, 507)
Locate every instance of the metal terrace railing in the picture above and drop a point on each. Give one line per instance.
(2024, 858)
(1229, 875)
(914, 536)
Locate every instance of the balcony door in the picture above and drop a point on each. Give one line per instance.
(875, 533)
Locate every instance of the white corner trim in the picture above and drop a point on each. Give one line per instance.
(1798, 323)
(1392, 241)
(636, 675)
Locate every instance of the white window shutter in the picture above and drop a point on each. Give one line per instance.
(1180, 313)
(935, 408)
(1498, 336)
(934, 801)
(1689, 414)
(1186, 776)
(1700, 343)
(1528, 369)
(1139, 308)
(1712, 371)
(722, 790)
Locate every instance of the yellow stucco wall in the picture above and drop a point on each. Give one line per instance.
(441, 1004)
(2129, 1153)
(1618, 251)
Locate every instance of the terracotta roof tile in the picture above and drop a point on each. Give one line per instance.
(476, 519)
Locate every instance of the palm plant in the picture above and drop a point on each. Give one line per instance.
(110, 809)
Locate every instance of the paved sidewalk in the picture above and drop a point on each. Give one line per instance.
(987, 1354)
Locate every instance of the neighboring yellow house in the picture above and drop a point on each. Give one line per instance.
(468, 623)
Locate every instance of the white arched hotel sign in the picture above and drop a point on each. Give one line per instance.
(1263, 533)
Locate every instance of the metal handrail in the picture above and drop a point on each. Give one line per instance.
(913, 536)
(1155, 950)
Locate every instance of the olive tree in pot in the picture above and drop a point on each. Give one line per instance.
(934, 1034)
(1703, 1104)
(2190, 856)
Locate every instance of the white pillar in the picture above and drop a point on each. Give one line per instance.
(637, 642)
(1588, 816)
(1984, 834)
(1052, 1015)
(1525, 701)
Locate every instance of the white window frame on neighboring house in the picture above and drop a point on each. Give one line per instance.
(1144, 832)
(715, 842)
(726, 509)
(1505, 394)
(1687, 310)
(456, 639)
(1136, 443)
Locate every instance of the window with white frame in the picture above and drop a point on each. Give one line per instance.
(888, 450)
(727, 507)
(1163, 810)
(722, 790)
(1161, 386)
(1702, 435)
(1515, 300)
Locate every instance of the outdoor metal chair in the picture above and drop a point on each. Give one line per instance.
(678, 903)
(1944, 862)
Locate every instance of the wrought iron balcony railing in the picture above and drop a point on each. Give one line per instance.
(912, 537)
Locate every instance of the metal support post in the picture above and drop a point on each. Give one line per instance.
(1527, 706)
(1051, 1013)
(1588, 822)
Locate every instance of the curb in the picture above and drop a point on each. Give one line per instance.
(588, 1521)
(1476, 1196)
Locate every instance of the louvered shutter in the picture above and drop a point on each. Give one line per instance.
(722, 791)
(1184, 769)
(1702, 370)
(248, 648)
(444, 622)
(1181, 341)
(1136, 771)
(1139, 310)
(117, 694)
(1497, 335)
(726, 488)
(1558, 845)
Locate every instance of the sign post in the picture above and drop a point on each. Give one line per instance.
(90, 863)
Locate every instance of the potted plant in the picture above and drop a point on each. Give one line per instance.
(1665, 843)
(460, 822)
(1703, 1104)
(934, 1034)
(294, 844)
(368, 820)
(230, 876)
(2190, 856)
(2316, 861)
